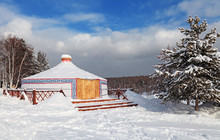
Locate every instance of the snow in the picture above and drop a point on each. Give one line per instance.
(56, 118)
(200, 58)
(65, 70)
(159, 72)
(192, 69)
(66, 56)
(24, 96)
(218, 54)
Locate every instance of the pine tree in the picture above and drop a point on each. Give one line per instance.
(42, 61)
(191, 70)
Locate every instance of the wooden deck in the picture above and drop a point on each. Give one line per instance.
(107, 107)
(92, 100)
(90, 105)
(103, 105)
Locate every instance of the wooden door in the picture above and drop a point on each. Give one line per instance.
(87, 89)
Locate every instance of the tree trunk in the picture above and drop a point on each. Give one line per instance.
(187, 101)
(197, 104)
(20, 68)
(9, 71)
(5, 76)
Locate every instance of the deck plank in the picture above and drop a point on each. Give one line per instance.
(109, 107)
(89, 106)
(90, 101)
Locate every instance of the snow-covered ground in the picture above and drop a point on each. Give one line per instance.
(56, 118)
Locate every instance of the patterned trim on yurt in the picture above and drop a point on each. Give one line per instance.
(72, 81)
(102, 82)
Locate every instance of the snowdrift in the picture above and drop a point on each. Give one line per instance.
(56, 118)
(153, 104)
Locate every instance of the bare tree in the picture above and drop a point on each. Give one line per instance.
(15, 54)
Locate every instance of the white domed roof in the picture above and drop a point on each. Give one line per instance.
(66, 69)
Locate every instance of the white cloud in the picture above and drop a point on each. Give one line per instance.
(60, 45)
(165, 37)
(91, 17)
(19, 27)
(124, 45)
(6, 14)
(208, 8)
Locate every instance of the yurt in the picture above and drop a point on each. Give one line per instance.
(75, 82)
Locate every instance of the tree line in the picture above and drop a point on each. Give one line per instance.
(18, 60)
(139, 84)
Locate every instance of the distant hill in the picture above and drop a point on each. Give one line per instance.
(140, 84)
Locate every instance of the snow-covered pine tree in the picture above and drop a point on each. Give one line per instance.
(191, 70)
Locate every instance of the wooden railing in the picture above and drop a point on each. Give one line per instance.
(119, 92)
(34, 96)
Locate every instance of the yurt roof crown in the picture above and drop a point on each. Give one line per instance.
(66, 58)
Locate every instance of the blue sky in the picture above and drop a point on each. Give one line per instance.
(84, 15)
(106, 37)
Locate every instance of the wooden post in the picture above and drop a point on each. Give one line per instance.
(22, 96)
(61, 91)
(34, 97)
(12, 93)
(187, 101)
(118, 93)
(18, 93)
(4, 92)
(197, 104)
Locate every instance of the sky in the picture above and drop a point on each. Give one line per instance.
(110, 38)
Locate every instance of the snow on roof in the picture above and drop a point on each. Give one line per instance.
(66, 69)
(66, 56)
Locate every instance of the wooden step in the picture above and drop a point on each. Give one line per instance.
(108, 107)
(89, 106)
(94, 100)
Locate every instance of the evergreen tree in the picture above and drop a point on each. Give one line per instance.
(191, 70)
(42, 62)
